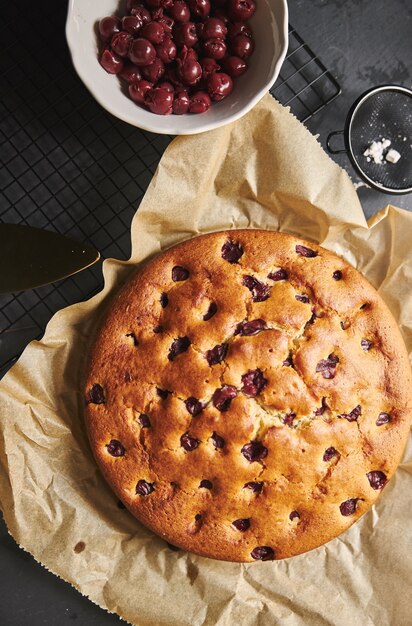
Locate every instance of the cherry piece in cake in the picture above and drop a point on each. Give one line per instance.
(179, 273)
(218, 441)
(247, 329)
(348, 507)
(253, 382)
(232, 251)
(179, 345)
(263, 553)
(353, 415)
(306, 252)
(259, 291)
(223, 397)
(96, 394)
(189, 443)
(254, 451)
(330, 453)
(193, 406)
(115, 448)
(241, 524)
(377, 479)
(327, 367)
(143, 488)
(383, 418)
(217, 354)
(212, 310)
(254, 486)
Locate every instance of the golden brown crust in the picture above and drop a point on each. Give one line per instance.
(321, 371)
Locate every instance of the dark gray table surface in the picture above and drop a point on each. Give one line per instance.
(364, 43)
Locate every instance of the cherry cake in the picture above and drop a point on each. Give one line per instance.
(248, 395)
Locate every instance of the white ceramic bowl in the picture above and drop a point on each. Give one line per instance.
(270, 27)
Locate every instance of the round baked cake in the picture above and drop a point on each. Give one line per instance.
(248, 395)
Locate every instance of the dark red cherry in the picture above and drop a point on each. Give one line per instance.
(167, 86)
(138, 90)
(190, 72)
(111, 62)
(213, 27)
(153, 32)
(179, 11)
(234, 66)
(199, 8)
(214, 48)
(241, 10)
(199, 102)
(130, 73)
(108, 26)
(167, 24)
(185, 34)
(181, 102)
(209, 67)
(166, 51)
(238, 28)
(242, 46)
(132, 24)
(142, 52)
(219, 86)
(121, 43)
(153, 72)
(142, 13)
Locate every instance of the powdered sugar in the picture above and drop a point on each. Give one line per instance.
(377, 151)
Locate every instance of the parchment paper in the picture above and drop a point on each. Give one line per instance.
(264, 171)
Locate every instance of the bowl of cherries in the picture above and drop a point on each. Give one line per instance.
(178, 66)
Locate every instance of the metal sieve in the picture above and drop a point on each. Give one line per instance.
(383, 112)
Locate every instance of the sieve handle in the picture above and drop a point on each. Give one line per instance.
(328, 140)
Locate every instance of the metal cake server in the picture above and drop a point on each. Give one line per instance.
(32, 257)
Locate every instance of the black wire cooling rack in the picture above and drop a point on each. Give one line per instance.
(68, 165)
(304, 83)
